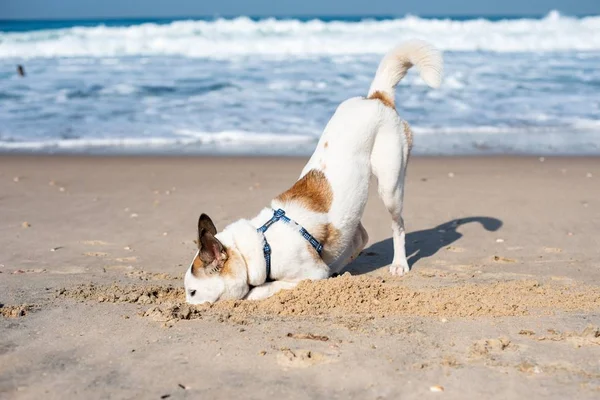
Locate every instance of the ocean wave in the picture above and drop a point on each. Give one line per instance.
(226, 38)
(466, 140)
(184, 137)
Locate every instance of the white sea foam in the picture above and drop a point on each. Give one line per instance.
(224, 38)
(466, 140)
(240, 137)
(183, 137)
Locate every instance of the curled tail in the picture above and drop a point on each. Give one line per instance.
(396, 64)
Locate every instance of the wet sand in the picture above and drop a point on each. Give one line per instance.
(503, 300)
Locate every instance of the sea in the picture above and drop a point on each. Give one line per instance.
(268, 86)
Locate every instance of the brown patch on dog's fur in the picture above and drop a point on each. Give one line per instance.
(408, 134)
(331, 239)
(328, 235)
(321, 233)
(313, 191)
(326, 144)
(384, 98)
(227, 270)
(232, 258)
(332, 233)
(197, 266)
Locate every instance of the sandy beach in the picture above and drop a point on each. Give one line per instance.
(503, 299)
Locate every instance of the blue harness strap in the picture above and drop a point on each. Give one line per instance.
(279, 214)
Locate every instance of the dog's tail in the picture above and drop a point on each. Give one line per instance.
(396, 64)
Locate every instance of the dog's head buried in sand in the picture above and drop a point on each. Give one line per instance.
(219, 269)
(314, 229)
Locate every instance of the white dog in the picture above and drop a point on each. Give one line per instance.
(313, 229)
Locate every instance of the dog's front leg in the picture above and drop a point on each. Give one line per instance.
(268, 289)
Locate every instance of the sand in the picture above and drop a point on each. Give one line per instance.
(364, 296)
(503, 300)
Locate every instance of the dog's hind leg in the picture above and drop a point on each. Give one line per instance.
(388, 164)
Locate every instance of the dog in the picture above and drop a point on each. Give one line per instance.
(313, 230)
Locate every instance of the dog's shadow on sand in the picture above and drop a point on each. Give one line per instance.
(419, 244)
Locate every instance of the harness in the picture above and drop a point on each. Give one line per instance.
(278, 215)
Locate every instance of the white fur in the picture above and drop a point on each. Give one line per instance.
(364, 137)
(397, 62)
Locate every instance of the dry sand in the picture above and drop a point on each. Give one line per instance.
(503, 300)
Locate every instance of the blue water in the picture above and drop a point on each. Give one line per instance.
(39, 25)
(268, 86)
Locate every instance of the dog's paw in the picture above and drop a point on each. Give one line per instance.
(399, 269)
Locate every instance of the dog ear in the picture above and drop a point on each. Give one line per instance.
(212, 252)
(206, 224)
(209, 246)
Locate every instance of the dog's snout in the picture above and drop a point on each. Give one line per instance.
(192, 293)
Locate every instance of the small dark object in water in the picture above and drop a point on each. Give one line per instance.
(21, 70)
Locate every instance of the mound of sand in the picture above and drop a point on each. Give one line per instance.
(15, 311)
(138, 294)
(350, 295)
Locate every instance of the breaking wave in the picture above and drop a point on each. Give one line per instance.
(224, 38)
